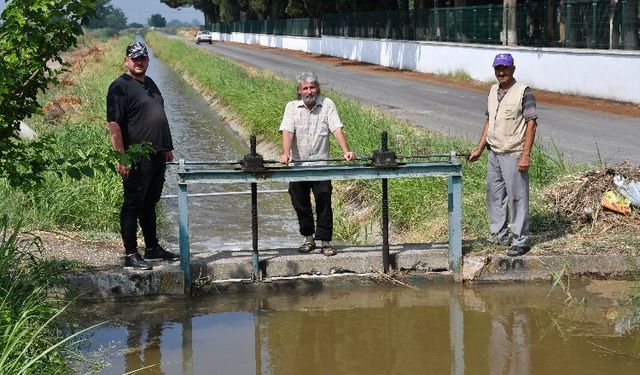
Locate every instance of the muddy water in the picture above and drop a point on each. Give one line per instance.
(316, 329)
(218, 222)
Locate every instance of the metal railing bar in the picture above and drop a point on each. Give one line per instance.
(221, 193)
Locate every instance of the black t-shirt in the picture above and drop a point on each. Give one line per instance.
(138, 107)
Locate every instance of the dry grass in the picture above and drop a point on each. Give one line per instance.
(578, 198)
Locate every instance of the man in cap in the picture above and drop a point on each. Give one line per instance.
(135, 114)
(305, 128)
(508, 134)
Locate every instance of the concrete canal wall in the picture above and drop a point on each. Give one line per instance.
(231, 270)
(603, 74)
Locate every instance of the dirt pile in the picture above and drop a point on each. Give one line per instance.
(579, 198)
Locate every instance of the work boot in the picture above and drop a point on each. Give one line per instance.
(158, 253)
(134, 261)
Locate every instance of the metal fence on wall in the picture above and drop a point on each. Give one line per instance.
(307, 27)
(598, 24)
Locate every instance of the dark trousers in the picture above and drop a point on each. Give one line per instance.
(300, 193)
(142, 190)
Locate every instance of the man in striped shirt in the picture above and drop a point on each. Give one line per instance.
(508, 134)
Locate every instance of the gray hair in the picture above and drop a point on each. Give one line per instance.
(310, 77)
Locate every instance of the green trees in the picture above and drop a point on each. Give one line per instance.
(107, 16)
(33, 34)
(227, 11)
(156, 20)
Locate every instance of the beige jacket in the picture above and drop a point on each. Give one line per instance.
(507, 125)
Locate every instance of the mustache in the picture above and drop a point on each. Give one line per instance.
(309, 98)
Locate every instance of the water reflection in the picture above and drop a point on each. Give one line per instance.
(507, 329)
(143, 343)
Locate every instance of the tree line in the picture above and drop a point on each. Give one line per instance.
(226, 11)
(544, 19)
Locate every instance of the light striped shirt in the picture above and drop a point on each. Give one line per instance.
(310, 128)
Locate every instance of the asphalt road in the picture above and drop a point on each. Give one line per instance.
(579, 134)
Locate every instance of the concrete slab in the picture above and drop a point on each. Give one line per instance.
(356, 260)
(414, 264)
(164, 279)
(422, 257)
(532, 267)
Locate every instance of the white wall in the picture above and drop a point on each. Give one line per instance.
(608, 74)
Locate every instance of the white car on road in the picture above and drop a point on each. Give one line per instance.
(204, 37)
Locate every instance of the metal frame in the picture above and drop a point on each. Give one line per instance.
(452, 169)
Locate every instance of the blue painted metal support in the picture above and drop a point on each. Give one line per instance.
(452, 169)
(455, 222)
(324, 172)
(183, 230)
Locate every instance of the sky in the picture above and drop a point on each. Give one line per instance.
(140, 10)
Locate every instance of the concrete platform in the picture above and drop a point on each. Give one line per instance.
(413, 263)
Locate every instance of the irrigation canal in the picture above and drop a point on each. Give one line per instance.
(317, 328)
(328, 329)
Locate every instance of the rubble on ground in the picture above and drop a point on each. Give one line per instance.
(579, 198)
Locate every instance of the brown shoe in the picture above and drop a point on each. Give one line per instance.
(328, 251)
(307, 247)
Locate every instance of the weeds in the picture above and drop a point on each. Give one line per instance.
(562, 279)
(459, 75)
(33, 336)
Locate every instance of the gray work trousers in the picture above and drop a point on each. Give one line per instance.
(506, 186)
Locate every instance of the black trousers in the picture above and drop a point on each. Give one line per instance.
(142, 190)
(300, 193)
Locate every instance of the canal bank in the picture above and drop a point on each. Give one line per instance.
(225, 260)
(411, 264)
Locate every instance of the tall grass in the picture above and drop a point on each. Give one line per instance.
(418, 206)
(34, 339)
(74, 118)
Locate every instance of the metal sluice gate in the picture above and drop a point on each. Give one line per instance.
(383, 164)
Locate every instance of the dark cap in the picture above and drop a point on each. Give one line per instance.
(137, 49)
(504, 59)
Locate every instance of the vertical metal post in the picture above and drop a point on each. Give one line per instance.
(490, 23)
(455, 222)
(506, 22)
(254, 219)
(568, 25)
(475, 24)
(459, 25)
(593, 24)
(254, 229)
(183, 230)
(385, 211)
(623, 22)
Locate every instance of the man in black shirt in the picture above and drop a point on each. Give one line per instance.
(135, 114)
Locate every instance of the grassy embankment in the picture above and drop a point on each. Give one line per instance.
(73, 113)
(34, 324)
(418, 207)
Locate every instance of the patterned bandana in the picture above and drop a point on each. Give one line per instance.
(137, 49)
